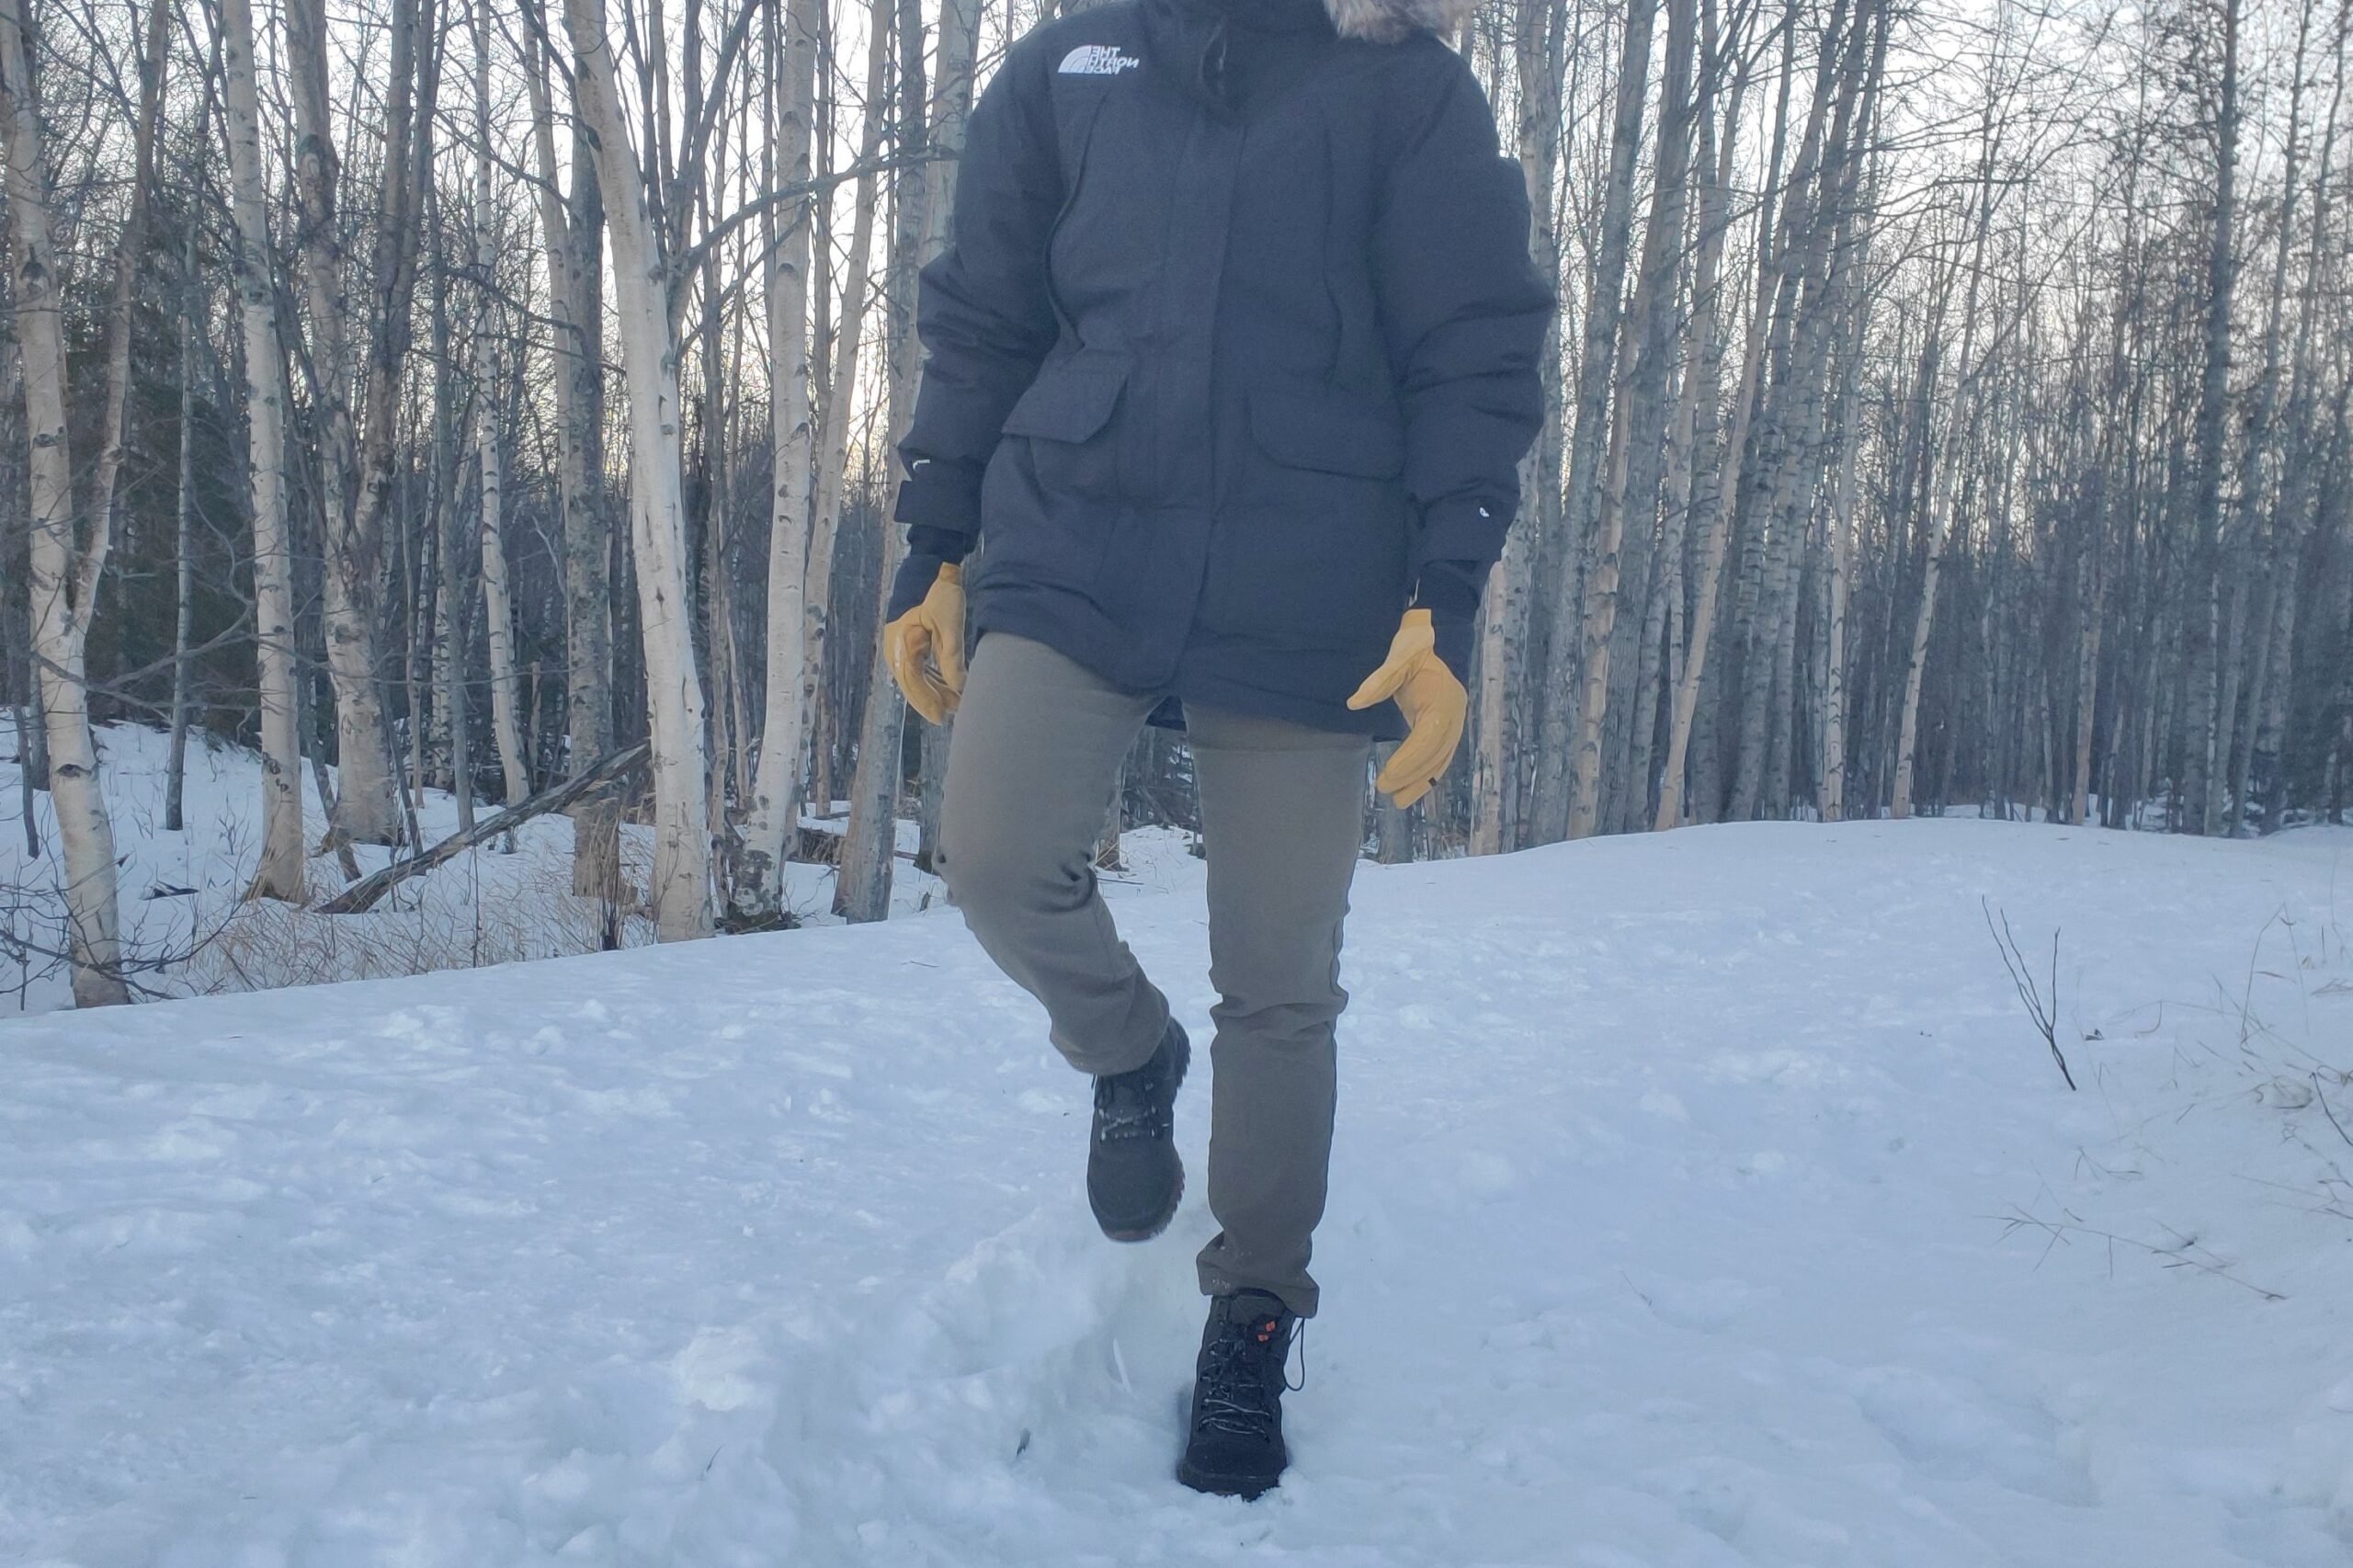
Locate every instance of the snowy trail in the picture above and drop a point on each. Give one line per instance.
(1669, 1228)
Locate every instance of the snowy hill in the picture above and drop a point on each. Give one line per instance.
(1701, 1198)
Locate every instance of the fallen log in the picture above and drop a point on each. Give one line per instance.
(361, 895)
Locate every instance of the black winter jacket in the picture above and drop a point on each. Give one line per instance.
(1235, 346)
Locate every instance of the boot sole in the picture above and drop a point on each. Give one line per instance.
(1161, 1222)
(1250, 1488)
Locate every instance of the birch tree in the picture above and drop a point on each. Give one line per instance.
(1605, 309)
(498, 608)
(680, 895)
(357, 462)
(571, 230)
(863, 884)
(2202, 770)
(1642, 404)
(71, 534)
(766, 833)
(280, 872)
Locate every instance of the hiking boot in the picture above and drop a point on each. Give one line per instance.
(1134, 1178)
(1235, 1446)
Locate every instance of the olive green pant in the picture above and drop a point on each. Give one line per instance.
(1037, 750)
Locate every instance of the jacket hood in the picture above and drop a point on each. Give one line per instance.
(1391, 21)
(1377, 21)
(1193, 39)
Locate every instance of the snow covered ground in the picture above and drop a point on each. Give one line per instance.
(1701, 1198)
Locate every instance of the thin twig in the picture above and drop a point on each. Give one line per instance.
(2174, 1257)
(2045, 1014)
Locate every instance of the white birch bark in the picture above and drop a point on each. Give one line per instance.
(862, 887)
(64, 567)
(1714, 502)
(680, 893)
(1561, 725)
(279, 873)
(1497, 741)
(833, 444)
(452, 619)
(1960, 437)
(497, 604)
(767, 832)
(574, 240)
(1837, 564)
(183, 551)
(365, 809)
(1640, 399)
(2205, 764)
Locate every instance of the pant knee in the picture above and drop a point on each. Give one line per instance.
(998, 876)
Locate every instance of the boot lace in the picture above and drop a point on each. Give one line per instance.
(1236, 1397)
(1128, 1104)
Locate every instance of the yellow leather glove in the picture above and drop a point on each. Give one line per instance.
(1433, 701)
(927, 639)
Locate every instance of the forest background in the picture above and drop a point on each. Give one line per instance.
(488, 407)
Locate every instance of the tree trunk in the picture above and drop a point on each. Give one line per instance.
(1717, 494)
(183, 549)
(767, 831)
(64, 567)
(681, 892)
(1837, 567)
(453, 618)
(574, 240)
(280, 874)
(833, 445)
(1797, 438)
(1642, 398)
(1561, 749)
(366, 810)
(1959, 441)
(1506, 651)
(498, 608)
(862, 884)
(2203, 769)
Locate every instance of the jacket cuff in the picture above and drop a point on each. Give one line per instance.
(1450, 591)
(941, 544)
(916, 575)
(940, 492)
(1462, 528)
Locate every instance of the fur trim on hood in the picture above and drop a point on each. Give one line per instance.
(1391, 21)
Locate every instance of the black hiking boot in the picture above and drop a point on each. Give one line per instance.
(1135, 1179)
(1235, 1446)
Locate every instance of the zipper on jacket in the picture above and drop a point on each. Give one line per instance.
(1073, 181)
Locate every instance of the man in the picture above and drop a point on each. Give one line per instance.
(1230, 367)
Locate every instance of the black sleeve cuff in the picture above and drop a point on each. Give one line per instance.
(941, 544)
(940, 492)
(1463, 528)
(1450, 591)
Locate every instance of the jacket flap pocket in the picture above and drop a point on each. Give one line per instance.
(1327, 430)
(1068, 402)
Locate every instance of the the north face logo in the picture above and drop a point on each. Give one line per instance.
(1097, 60)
